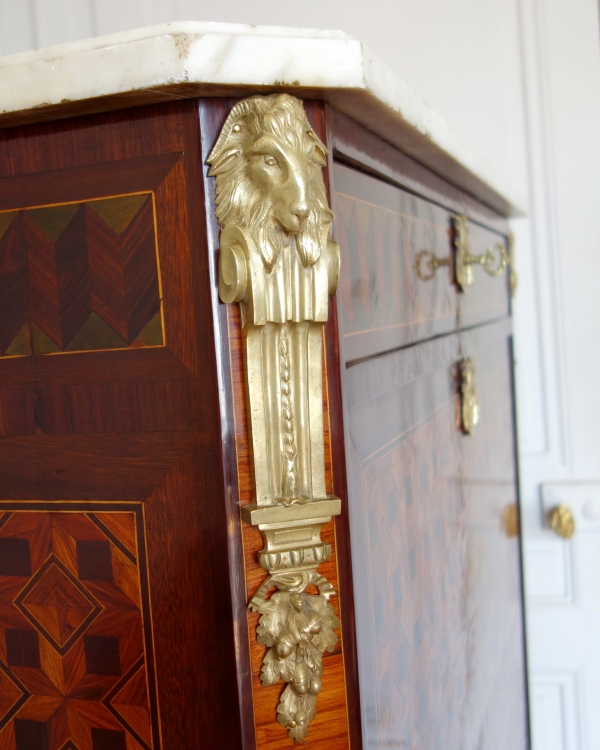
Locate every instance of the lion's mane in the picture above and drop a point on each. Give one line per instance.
(241, 202)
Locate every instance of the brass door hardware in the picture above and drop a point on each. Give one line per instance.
(494, 259)
(469, 411)
(562, 521)
(278, 262)
(510, 520)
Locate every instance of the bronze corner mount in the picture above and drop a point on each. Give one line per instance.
(278, 263)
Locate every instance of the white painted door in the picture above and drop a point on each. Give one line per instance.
(564, 623)
(557, 330)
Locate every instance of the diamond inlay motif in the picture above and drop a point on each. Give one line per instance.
(75, 634)
(12, 696)
(58, 605)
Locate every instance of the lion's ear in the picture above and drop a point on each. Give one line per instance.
(225, 162)
(319, 156)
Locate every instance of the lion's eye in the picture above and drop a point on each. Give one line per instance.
(270, 161)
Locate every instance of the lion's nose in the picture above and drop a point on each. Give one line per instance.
(300, 209)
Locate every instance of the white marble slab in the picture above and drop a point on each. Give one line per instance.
(197, 59)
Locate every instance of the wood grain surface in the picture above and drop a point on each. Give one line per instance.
(381, 229)
(330, 727)
(79, 276)
(437, 578)
(85, 431)
(76, 622)
(356, 146)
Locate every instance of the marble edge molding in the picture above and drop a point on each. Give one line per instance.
(189, 59)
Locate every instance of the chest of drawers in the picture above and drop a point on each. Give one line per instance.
(232, 525)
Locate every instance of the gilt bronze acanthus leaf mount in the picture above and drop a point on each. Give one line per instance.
(278, 263)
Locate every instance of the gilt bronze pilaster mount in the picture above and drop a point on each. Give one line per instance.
(278, 263)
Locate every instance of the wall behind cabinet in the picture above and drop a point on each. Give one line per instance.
(460, 56)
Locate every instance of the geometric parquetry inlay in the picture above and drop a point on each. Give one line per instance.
(57, 605)
(79, 276)
(76, 664)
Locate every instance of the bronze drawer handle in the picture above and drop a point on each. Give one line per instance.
(494, 259)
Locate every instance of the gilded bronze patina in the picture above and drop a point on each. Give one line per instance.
(278, 263)
(469, 403)
(563, 521)
(494, 259)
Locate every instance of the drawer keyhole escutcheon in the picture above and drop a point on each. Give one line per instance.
(469, 410)
(494, 259)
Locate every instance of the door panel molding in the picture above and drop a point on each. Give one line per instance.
(555, 710)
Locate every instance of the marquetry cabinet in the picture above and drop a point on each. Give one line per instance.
(140, 406)
(433, 511)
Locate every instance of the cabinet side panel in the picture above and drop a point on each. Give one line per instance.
(110, 444)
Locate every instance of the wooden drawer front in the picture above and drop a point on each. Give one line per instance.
(380, 228)
(436, 574)
(384, 304)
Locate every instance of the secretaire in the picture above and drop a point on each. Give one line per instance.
(257, 446)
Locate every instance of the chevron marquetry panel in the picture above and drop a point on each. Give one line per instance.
(79, 276)
(75, 645)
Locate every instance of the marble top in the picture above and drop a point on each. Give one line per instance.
(190, 59)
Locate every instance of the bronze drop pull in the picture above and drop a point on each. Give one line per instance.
(469, 410)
